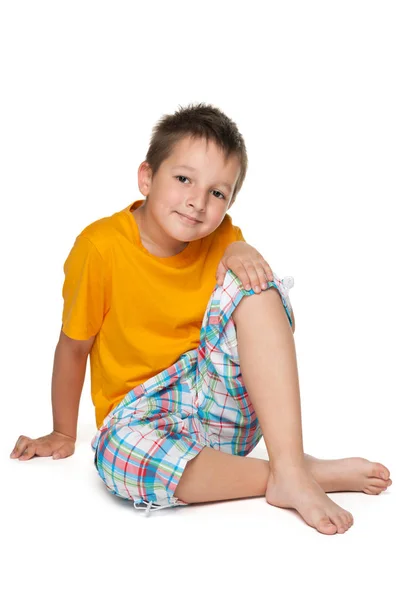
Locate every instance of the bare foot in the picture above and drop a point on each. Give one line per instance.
(349, 475)
(296, 488)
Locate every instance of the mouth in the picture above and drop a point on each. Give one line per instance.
(187, 219)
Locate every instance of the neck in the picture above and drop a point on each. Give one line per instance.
(153, 237)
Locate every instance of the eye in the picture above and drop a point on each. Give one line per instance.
(180, 177)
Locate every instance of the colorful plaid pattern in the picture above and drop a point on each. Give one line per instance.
(144, 443)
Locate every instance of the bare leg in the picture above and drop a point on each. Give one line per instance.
(269, 368)
(214, 476)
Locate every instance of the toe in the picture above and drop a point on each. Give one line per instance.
(349, 519)
(345, 520)
(326, 526)
(380, 471)
(380, 483)
(340, 522)
(373, 490)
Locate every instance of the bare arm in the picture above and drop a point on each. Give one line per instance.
(293, 321)
(70, 359)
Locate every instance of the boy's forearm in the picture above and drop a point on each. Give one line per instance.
(66, 388)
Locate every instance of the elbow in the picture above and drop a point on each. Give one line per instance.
(80, 348)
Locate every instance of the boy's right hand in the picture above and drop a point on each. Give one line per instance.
(55, 444)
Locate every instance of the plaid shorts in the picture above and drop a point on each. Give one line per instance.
(143, 445)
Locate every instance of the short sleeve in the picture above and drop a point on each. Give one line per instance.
(84, 291)
(238, 234)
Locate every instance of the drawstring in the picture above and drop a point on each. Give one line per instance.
(288, 282)
(150, 506)
(284, 285)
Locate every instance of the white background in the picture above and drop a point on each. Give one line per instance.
(314, 89)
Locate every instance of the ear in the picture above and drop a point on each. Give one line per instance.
(144, 178)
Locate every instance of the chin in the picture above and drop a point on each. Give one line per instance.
(175, 236)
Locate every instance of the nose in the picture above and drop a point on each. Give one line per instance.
(198, 200)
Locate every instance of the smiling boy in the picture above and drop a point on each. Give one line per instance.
(187, 375)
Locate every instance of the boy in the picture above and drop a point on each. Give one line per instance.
(173, 411)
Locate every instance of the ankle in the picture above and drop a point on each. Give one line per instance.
(288, 466)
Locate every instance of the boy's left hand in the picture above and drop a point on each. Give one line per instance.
(248, 264)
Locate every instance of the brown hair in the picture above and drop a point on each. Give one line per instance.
(197, 121)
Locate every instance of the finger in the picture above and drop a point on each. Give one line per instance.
(268, 271)
(28, 452)
(63, 452)
(44, 448)
(240, 271)
(252, 273)
(20, 446)
(15, 449)
(220, 276)
(262, 276)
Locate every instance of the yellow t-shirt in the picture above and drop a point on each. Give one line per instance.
(145, 310)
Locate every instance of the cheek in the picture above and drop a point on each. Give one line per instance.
(170, 199)
(175, 197)
(216, 215)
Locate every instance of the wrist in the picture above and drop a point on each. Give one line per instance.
(70, 437)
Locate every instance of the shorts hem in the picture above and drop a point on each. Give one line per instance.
(171, 501)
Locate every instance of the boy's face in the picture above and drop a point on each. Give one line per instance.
(195, 181)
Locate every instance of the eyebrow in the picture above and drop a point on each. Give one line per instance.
(222, 183)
